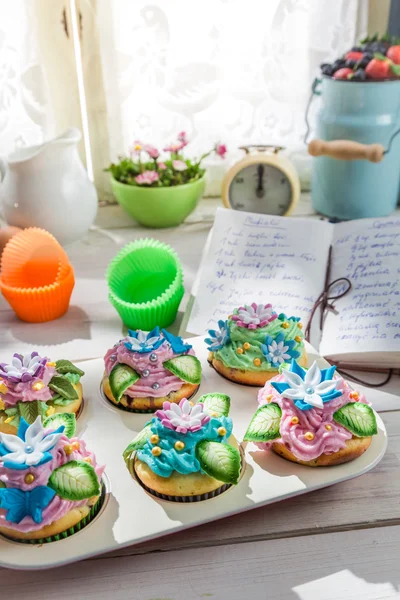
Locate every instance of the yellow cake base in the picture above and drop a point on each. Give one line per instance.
(353, 449)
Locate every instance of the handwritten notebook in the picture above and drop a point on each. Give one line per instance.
(284, 261)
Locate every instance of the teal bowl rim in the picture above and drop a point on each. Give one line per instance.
(171, 290)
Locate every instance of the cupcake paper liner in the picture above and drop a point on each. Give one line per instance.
(72, 530)
(145, 283)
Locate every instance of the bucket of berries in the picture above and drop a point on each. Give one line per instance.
(356, 166)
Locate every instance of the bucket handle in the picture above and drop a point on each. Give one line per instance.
(343, 149)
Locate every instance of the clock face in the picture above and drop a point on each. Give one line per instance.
(261, 188)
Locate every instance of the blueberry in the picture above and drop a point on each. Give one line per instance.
(327, 70)
(350, 63)
(356, 49)
(339, 63)
(364, 61)
(378, 47)
(359, 75)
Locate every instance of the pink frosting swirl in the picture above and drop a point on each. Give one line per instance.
(58, 507)
(141, 362)
(314, 420)
(22, 391)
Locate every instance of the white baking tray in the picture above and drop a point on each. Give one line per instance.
(130, 515)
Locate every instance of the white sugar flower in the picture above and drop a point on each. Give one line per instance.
(254, 315)
(183, 417)
(31, 450)
(277, 352)
(311, 388)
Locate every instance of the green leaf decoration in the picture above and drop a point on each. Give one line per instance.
(264, 425)
(186, 367)
(218, 460)
(358, 418)
(66, 419)
(63, 387)
(138, 442)
(76, 480)
(121, 378)
(216, 404)
(2, 485)
(59, 401)
(30, 411)
(65, 366)
(14, 413)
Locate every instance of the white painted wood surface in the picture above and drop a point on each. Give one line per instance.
(339, 543)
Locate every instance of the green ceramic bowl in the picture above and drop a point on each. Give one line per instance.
(158, 207)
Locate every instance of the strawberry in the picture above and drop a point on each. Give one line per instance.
(343, 73)
(352, 55)
(394, 54)
(378, 69)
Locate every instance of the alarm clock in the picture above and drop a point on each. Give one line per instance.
(262, 182)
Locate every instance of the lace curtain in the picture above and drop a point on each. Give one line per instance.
(230, 70)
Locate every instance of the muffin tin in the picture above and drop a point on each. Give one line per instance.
(131, 516)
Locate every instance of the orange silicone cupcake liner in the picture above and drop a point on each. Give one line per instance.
(32, 258)
(46, 303)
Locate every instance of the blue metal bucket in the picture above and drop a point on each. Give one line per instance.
(368, 113)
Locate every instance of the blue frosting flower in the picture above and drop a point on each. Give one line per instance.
(283, 317)
(142, 342)
(308, 388)
(20, 504)
(279, 350)
(218, 338)
(30, 447)
(177, 343)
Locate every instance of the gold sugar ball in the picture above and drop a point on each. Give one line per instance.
(300, 325)
(50, 364)
(39, 385)
(257, 362)
(221, 431)
(75, 446)
(156, 451)
(294, 420)
(214, 414)
(354, 395)
(269, 397)
(309, 436)
(246, 346)
(29, 478)
(88, 459)
(328, 427)
(285, 325)
(179, 445)
(239, 350)
(68, 449)
(298, 339)
(154, 439)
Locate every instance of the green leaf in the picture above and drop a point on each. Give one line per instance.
(219, 404)
(121, 378)
(395, 69)
(65, 366)
(358, 418)
(219, 460)
(186, 367)
(138, 442)
(76, 480)
(2, 485)
(13, 412)
(58, 401)
(62, 386)
(30, 411)
(68, 420)
(264, 425)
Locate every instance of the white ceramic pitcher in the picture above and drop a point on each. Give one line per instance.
(47, 186)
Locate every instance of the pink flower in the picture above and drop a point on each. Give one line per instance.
(136, 148)
(221, 150)
(175, 148)
(254, 316)
(179, 165)
(183, 417)
(182, 137)
(151, 151)
(162, 166)
(147, 177)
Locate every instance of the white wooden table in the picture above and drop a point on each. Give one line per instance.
(338, 543)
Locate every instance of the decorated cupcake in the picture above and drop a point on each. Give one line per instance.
(187, 453)
(50, 484)
(144, 370)
(312, 417)
(32, 386)
(254, 342)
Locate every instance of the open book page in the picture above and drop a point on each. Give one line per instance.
(368, 319)
(254, 258)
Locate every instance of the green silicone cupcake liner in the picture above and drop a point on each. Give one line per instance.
(145, 282)
(65, 534)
